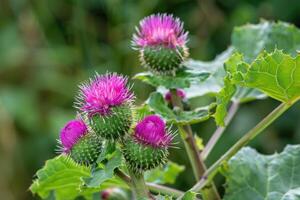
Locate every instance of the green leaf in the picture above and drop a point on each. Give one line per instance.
(189, 196)
(183, 78)
(159, 106)
(100, 175)
(251, 175)
(61, 177)
(251, 40)
(213, 84)
(275, 74)
(164, 175)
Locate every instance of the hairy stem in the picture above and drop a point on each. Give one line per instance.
(160, 189)
(199, 168)
(138, 185)
(212, 171)
(219, 131)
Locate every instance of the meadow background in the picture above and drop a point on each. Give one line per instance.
(47, 47)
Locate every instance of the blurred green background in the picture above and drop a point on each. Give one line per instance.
(47, 47)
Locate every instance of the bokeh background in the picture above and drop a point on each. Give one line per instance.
(47, 47)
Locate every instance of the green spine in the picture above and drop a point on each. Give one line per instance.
(114, 125)
(87, 149)
(141, 157)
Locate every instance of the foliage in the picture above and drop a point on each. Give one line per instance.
(250, 175)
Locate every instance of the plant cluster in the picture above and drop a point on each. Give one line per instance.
(114, 146)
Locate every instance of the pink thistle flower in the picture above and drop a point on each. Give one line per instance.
(160, 29)
(71, 133)
(180, 93)
(152, 131)
(104, 92)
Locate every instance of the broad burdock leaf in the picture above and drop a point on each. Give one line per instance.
(214, 82)
(276, 74)
(157, 103)
(164, 175)
(62, 178)
(252, 39)
(184, 78)
(250, 175)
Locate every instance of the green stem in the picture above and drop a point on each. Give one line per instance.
(219, 131)
(160, 189)
(212, 171)
(139, 186)
(198, 166)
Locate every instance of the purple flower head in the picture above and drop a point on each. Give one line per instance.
(71, 133)
(160, 29)
(180, 93)
(152, 131)
(104, 92)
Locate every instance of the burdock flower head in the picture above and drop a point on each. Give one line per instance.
(148, 148)
(107, 101)
(152, 131)
(77, 142)
(162, 43)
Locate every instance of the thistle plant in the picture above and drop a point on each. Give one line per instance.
(118, 144)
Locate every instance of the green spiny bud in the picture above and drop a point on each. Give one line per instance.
(86, 150)
(163, 60)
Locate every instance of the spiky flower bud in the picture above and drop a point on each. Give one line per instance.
(77, 142)
(180, 93)
(108, 103)
(161, 41)
(149, 146)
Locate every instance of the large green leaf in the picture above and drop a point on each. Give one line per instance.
(164, 175)
(251, 40)
(214, 82)
(250, 175)
(62, 177)
(184, 78)
(159, 106)
(276, 74)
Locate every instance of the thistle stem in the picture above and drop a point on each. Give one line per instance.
(161, 189)
(138, 186)
(210, 192)
(219, 131)
(212, 171)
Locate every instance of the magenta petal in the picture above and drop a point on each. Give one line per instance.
(71, 133)
(160, 29)
(104, 92)
(152, 131)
